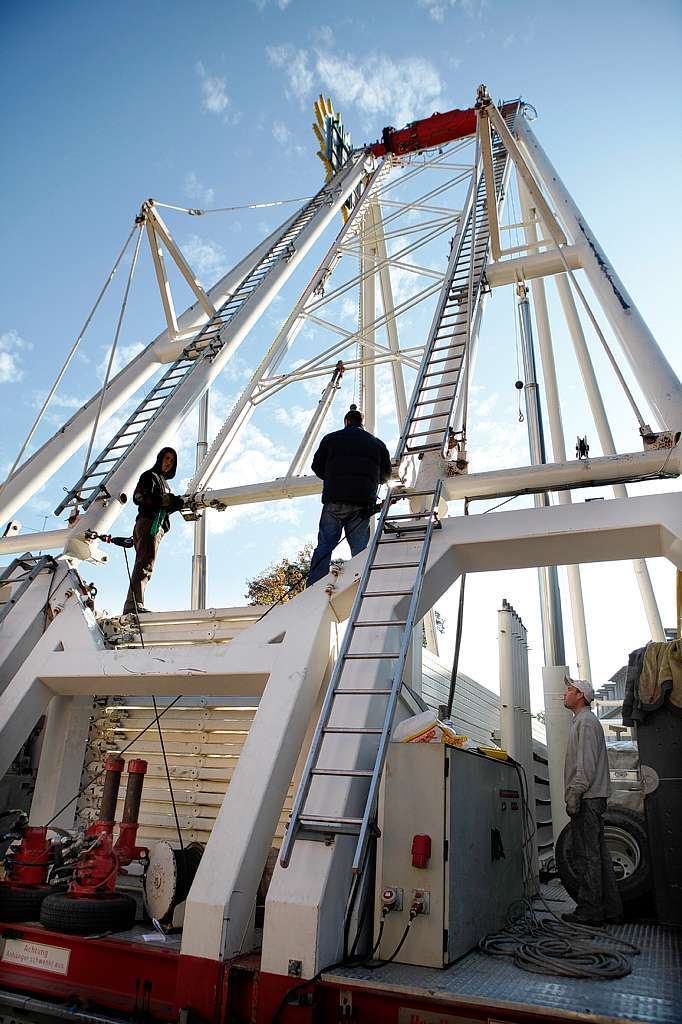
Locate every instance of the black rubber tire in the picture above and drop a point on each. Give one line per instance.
(88, 915)
(22, 904)
(622, 818)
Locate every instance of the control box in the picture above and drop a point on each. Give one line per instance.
(451, 846)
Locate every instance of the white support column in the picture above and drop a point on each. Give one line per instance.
(368, 314)
(162, 280)
(199, 557)
(654, 374)
(26, 698)
(389, 313)
(222, 897)
(557, 726)
(556, 430)
(606, 441)
(300, 459)
(61, 760)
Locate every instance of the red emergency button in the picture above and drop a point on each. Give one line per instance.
(421, 851)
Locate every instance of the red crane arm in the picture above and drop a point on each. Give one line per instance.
(430, 131)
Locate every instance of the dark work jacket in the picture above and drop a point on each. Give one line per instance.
(352, 463)
(152, 492)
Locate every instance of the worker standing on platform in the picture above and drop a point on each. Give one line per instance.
(587, 787)
(155, 502)
(352, 463)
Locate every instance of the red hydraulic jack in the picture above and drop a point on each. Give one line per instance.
(91, 903)
(24, 887)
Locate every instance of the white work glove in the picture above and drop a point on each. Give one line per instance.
(572, 804)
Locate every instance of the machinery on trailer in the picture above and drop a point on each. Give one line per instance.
(265, 738)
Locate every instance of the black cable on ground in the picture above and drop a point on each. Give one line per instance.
(547, 944)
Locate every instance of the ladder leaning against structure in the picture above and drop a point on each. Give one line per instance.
(432, 404)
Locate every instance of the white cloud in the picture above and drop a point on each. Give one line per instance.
(11, 347)
(196, 190)
(262, 4)
(295, 65)
(324, 36)
(215, 98)
(402, 89)
(296, 417)
(206, 258)
(437, 9)
(123, 355)
(280, 132)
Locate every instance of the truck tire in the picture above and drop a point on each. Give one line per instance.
(77, 915)
(22, 904)
(626, 838)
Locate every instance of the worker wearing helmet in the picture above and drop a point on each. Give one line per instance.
(352, 463)
(155, 502)
(587, 787)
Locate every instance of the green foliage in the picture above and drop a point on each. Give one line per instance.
(281, 581)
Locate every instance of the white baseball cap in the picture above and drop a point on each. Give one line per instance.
(584, 685)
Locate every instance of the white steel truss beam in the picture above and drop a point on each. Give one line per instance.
(245, 405)
(99, 516)
(30, 476)
(658, 381)
(160, 229)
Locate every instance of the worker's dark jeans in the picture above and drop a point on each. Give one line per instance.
(146, 548)
(336, 518)
(598, 898)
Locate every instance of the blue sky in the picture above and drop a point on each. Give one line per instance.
(209, 104)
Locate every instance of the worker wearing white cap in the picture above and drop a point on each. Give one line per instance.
(587, 787)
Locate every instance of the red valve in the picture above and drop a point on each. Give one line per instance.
(421, 851)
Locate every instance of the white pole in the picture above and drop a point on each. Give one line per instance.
(389, 313)
(605, 439)
(199, 559)
(367, 317)
(556, 430)
(652, 370)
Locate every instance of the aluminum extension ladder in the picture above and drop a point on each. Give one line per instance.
(432, 403)
(205, 345)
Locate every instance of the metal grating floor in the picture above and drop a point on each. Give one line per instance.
(651, 994)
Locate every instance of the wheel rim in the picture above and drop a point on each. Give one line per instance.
(624, 849)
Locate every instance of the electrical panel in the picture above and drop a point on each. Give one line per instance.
(450, 852)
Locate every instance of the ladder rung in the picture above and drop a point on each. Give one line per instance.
(381, 622)
(357, 692)
(407, 515)
(352, 773)
(395, 565)
(385, 593)
(345, 730)
(431, 416)
(310, 821)
(425, 433)
(398, 531)
(436, 387)
(424, 448)
(382, 656)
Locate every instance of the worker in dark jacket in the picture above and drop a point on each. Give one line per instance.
(587, 788)
(155, 502)
(352, 463)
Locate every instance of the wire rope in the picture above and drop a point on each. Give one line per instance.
(229, 209)
(117, 333)
(67, 361)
